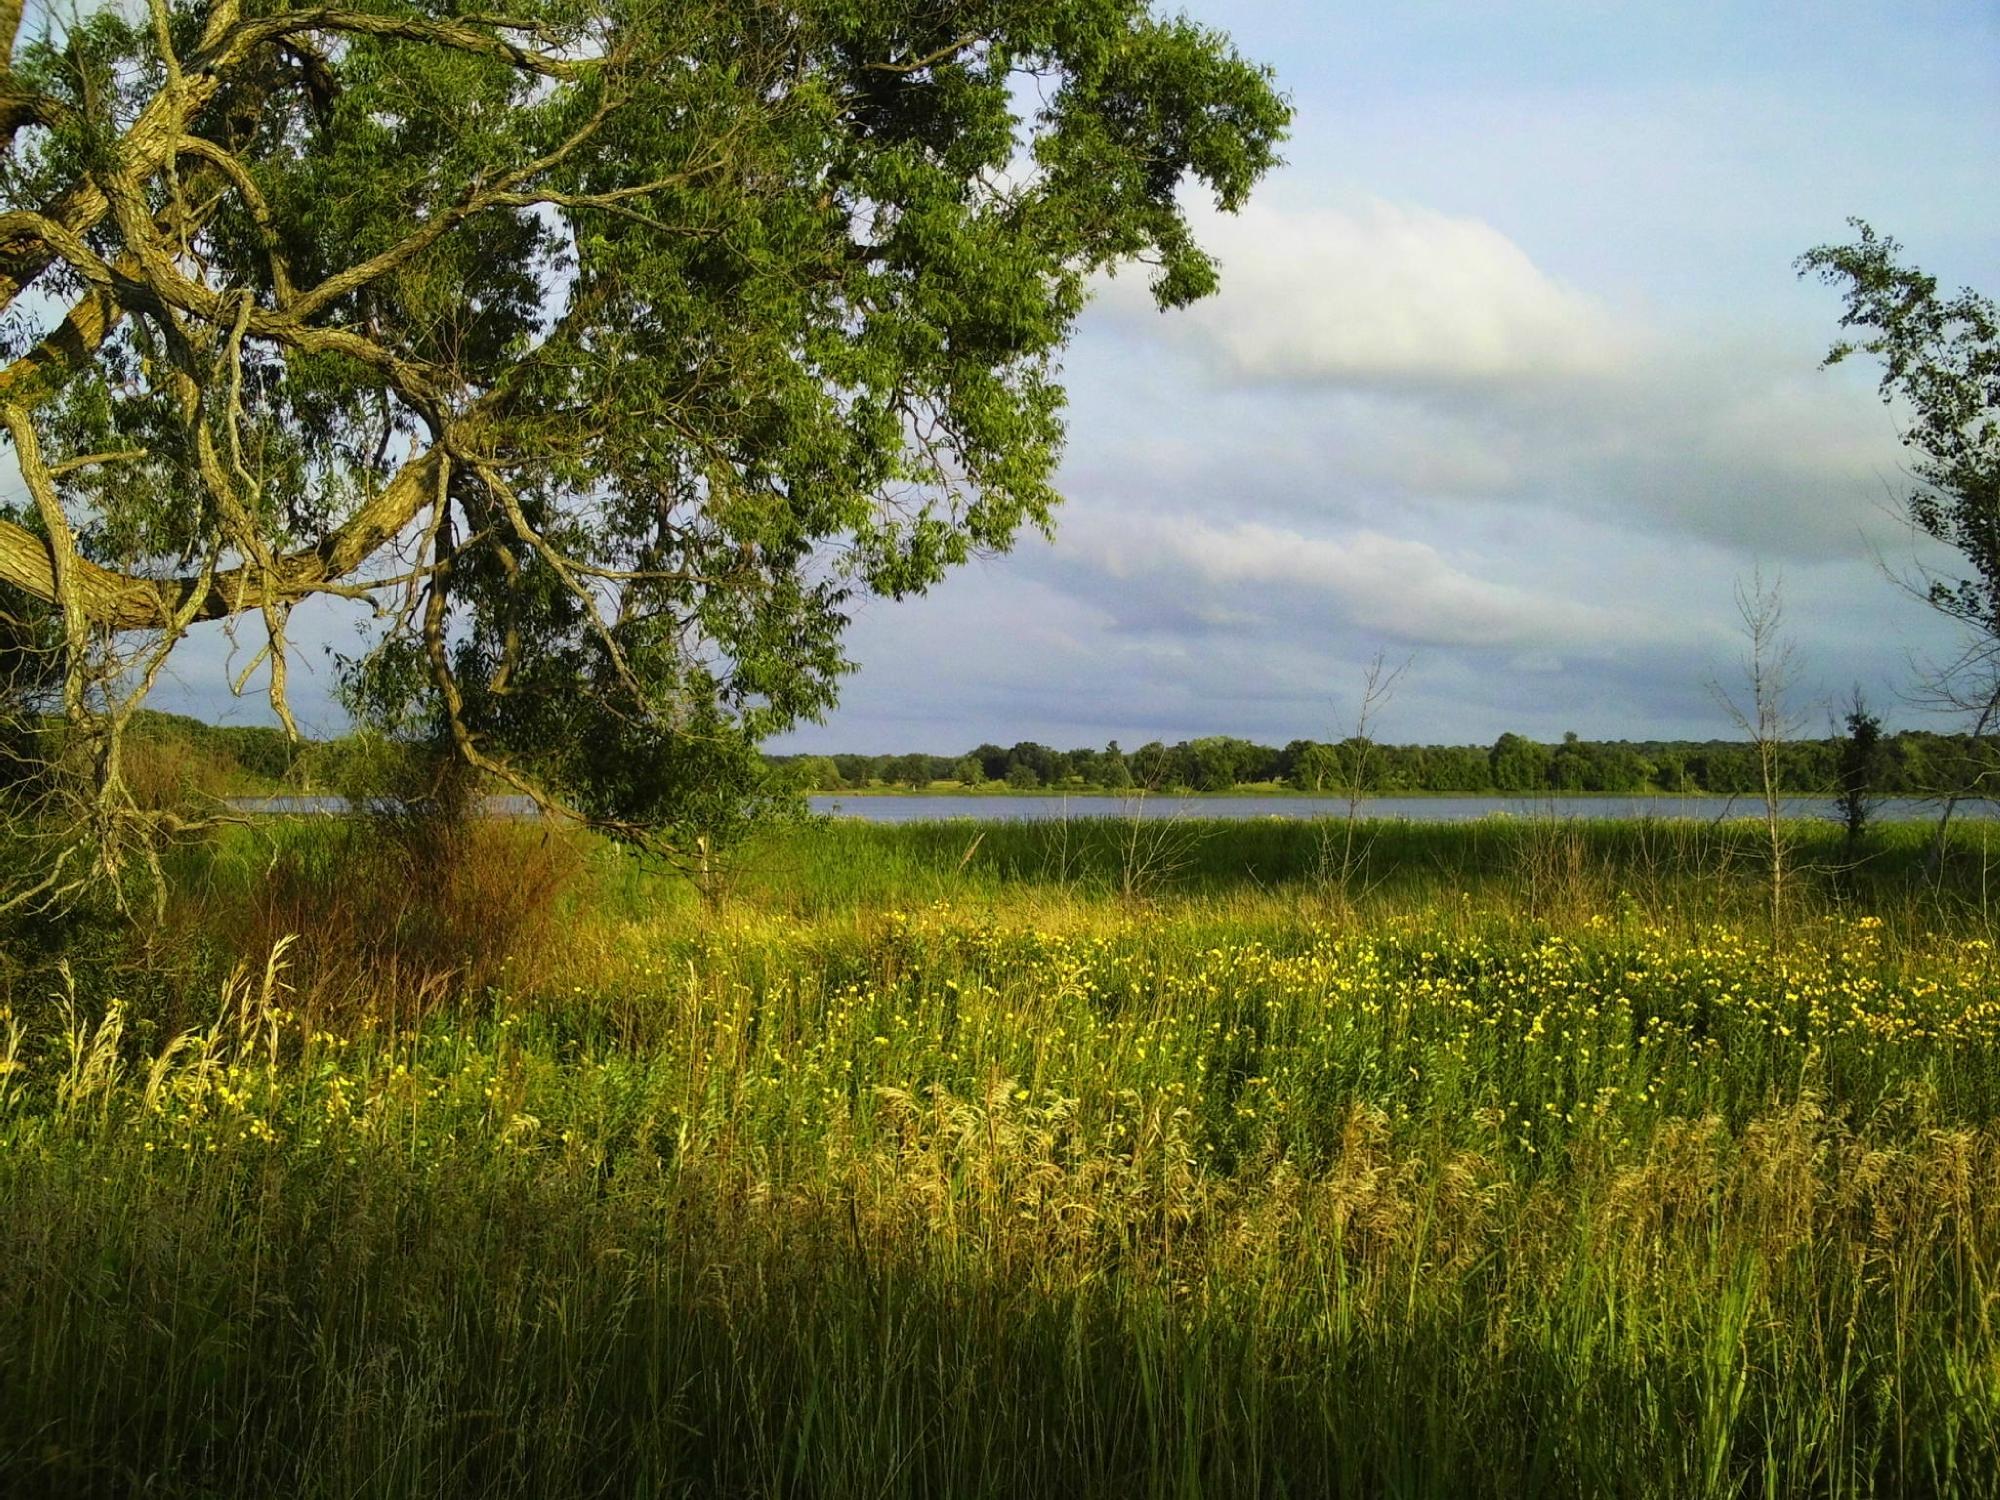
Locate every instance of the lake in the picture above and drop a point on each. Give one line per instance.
(925, 808)
(921, 808)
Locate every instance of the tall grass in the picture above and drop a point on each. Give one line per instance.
(1558, 869)
(934, 1172)
(389, 916)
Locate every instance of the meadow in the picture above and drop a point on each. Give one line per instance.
(1087, 1159)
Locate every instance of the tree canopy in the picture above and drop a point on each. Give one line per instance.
(608, 350)
(1941, 355)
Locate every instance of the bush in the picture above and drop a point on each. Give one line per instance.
(391, 915)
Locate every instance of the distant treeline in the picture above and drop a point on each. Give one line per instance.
(1911, 763)
(251, 758)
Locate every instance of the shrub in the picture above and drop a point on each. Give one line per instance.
(390, 915)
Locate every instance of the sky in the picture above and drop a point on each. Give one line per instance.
(1511, 377)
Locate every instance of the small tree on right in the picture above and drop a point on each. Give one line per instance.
(1941, 356)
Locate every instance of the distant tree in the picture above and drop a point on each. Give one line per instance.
(1456, 768)
(1726, 770)
(1519, 765)
(1912, 768)
(1315, 766)
(1022, 775)
(1406, 768)
(856, 770)
(1810, 766)
(1153, 767)
(1905, 762)
(264, 751)
(1615, 768)
(912, 770)
(1569, 766)
(1214, 761)
(1670, 772)
(809, 773)
(1038, 758)
(1358, 764)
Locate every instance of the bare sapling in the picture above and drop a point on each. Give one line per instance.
(1760, 709)
(1338, 871)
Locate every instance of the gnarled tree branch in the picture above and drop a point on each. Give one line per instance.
(126, 601)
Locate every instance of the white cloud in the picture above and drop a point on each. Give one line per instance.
(1386, 294)
(1675, 425)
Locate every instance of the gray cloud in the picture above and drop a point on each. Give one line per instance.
(1396, 588)
(1396, 354)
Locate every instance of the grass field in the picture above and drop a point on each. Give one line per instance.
(1499, 1159)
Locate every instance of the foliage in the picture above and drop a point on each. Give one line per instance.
(1210, 1198)
(1941, 357)
(1913, 763)
(395, 919)
(1861, 764)
(611, 351)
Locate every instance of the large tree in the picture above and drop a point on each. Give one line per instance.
(608, 349)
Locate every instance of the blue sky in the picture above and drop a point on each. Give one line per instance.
(1510, 375)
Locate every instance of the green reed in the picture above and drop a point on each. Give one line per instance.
(913, 1174)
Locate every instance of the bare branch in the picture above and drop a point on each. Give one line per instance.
(245, 37)
(91, 460)
(945, 53)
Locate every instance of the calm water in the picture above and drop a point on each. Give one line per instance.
(1000, 809)
(1003, 809)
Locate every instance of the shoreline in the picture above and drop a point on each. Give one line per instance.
(1105, 794)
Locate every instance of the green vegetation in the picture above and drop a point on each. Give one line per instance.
(172, 750)
(173, 760)
(612, 352)
(1940, 356)
(1099, 1158)
(616, 354)
(1913, 763)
